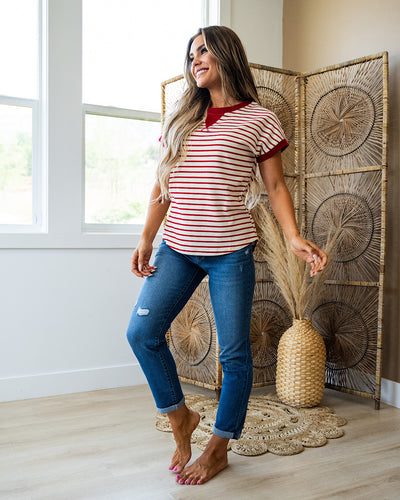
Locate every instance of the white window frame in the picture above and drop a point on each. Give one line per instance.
(59, 165)
(37, 208)
(113, 112)
(38, 224)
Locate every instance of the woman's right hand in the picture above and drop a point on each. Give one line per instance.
(141, 258)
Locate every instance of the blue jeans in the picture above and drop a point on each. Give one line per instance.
(162, 297)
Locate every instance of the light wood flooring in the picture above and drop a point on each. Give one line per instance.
(103, 445)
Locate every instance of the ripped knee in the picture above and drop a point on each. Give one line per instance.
(143, 311)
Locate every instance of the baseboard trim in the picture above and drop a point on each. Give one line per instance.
(109, 377)
(57, 383)
(390, 392)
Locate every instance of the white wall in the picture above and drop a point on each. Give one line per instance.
(64, 315)
(64, 312)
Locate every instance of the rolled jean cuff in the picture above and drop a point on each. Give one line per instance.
(225, 434)
(168, 409)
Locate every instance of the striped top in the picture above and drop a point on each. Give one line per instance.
(207, 214)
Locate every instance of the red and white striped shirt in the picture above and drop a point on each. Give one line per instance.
(207, 214)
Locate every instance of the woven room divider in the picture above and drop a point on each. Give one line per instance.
(335, 120)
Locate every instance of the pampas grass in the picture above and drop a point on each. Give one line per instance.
(291, 273)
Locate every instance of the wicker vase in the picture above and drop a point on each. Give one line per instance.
(300, 373)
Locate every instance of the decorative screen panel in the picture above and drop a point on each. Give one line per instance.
(344, 186)
(344, 117)
(335, 167)
(276, 91)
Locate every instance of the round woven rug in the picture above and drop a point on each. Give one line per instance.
(270, 426)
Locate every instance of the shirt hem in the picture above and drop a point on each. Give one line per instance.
(211, 253)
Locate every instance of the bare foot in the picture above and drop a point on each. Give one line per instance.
(213, 460)
(183, 422)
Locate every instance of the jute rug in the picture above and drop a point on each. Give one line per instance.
(270, 426)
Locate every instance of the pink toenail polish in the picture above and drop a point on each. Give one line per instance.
(175, 469)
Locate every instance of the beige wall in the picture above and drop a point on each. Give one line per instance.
(318, 33)
(259, 25)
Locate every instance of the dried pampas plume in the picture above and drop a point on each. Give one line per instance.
(290, 273)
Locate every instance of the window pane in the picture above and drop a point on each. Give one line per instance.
(131, 46)
(19, 48)
(121, 160)
(15, 165)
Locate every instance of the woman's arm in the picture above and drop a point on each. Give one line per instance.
(282, 205)
(155, 215)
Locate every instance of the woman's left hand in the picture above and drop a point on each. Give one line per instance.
(309, 252)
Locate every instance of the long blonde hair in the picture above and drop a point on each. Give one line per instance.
(190, 110)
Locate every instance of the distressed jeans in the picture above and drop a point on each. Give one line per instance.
(162, 297)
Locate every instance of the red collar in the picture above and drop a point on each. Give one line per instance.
(214, 114)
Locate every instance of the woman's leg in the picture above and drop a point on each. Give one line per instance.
(232, 289)
(231, 280)
(162, 297)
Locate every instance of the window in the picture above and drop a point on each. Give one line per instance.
(72, 172)
(121, 155)
(128, 50)
(20, 175)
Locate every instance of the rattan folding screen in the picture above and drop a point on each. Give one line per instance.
(335, 167)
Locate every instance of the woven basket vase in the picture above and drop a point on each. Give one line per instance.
(300, 372)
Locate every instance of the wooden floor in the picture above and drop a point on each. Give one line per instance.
(103, 445)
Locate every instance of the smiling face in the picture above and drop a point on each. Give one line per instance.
(204, 66)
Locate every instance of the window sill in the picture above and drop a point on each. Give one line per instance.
(84, 240)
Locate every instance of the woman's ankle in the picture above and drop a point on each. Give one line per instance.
(180, 415)
(217, 445)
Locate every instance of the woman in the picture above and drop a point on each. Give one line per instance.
(212, 145)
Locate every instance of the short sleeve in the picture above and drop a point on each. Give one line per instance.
(271, 139)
